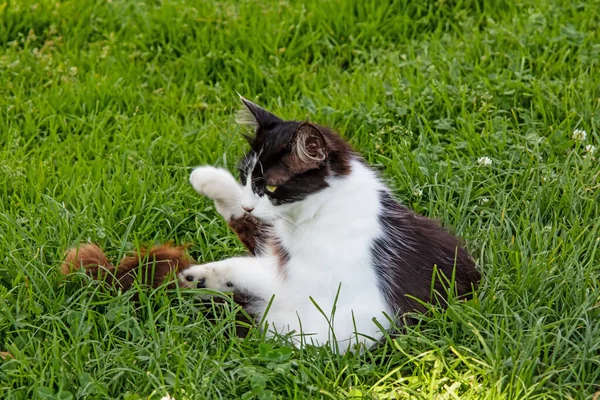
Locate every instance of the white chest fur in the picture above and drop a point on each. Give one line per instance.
(329, 237)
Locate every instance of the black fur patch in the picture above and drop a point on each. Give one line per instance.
(273, 160)
(406, 256)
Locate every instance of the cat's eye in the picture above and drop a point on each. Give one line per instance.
(271, 188)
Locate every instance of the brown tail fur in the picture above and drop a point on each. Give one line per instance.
(152, 266)
(89, 256)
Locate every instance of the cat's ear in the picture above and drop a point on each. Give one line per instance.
(309, 144)
(255, 116)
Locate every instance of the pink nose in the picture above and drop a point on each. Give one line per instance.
(248, 209)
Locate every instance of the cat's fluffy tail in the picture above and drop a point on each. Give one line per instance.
(150, 267)
(89, 256)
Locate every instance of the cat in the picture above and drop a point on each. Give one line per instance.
(335, 259)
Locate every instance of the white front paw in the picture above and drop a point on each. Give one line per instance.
(220, 186)
(209, 276)
(215, 183)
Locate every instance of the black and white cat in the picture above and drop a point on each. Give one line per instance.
(324, 230)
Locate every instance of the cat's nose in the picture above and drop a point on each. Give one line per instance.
(248, 209)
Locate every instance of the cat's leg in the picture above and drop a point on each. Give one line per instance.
(256, 276)
(220, 186)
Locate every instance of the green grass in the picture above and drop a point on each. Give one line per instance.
(106, 105)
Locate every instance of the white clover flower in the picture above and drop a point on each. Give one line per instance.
(589, 152)
(484, 200)
(579, 135)
(417, 192)
(547, 228)
(484, 161)
(167, 397)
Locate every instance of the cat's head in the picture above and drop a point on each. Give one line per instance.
(288, 161)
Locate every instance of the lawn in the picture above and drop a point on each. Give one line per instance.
(480, 113)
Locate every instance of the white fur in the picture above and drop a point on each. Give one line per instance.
(249, 198)
(329, 237)
(220, 186)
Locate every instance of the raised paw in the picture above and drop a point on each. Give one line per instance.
(209, 276)
(220, 186)
(215, 183)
